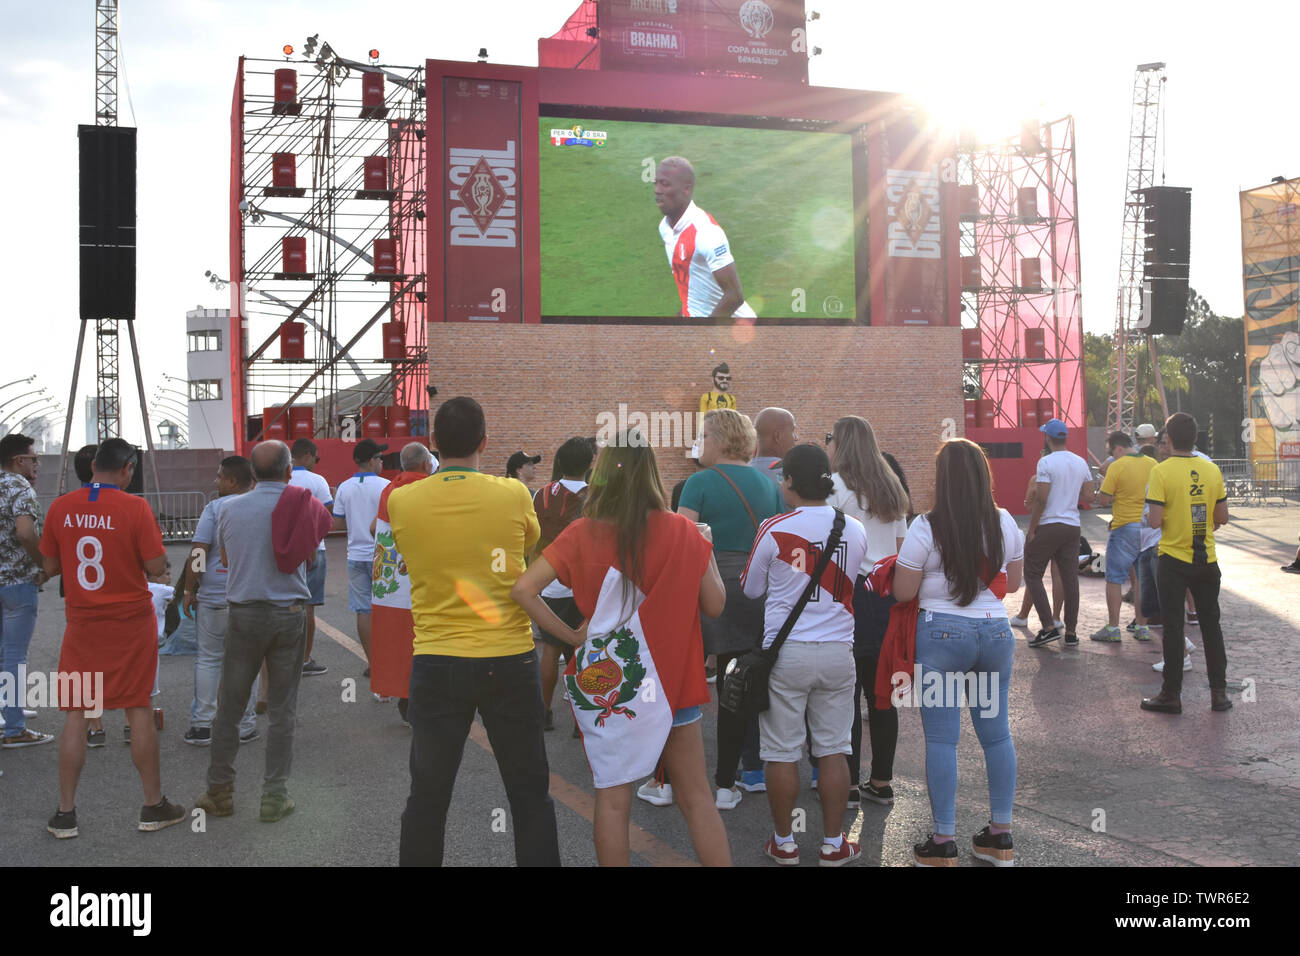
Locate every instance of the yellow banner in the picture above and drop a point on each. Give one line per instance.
(1270, 255)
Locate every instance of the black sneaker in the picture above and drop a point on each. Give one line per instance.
(994, 848)
(1045, 636)
(95, 738)
(1071, 639)
(881, 795)
(63, 825)
(312, 669)
(198, 736)
(160, 816)
(930, 853)
(855, 798)
(249, 737)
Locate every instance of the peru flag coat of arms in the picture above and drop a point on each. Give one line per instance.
(615, 690)
(392, 634)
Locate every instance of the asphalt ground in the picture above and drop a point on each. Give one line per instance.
(1100, 782)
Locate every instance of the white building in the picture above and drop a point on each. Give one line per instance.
(208, 368)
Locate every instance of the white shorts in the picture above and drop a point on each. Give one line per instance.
(812, 680)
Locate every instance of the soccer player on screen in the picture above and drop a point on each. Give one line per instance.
(697, 248)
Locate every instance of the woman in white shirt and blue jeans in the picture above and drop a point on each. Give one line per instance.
(963, 640)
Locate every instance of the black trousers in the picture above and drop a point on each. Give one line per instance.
(1174, 579)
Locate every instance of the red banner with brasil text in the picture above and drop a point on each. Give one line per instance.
(481, 202)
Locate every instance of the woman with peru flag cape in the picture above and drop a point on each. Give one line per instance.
(641, 576)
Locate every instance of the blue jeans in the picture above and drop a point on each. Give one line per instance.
(949, 648)
(1123, 545)
(17, 623)
(507, 692)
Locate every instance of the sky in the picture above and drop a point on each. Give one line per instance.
(1229, 125)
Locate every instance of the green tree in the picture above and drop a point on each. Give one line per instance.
(1212, 351)
(1098, 359)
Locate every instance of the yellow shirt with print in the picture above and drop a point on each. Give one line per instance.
(1188, 488)
(463, 535)
(1126, 482)
(714, 399)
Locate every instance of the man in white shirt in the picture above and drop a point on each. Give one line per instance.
(356, 503)
(698, 251)
(1053, 533)
(305, 459)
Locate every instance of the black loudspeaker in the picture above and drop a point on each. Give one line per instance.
(1168, 251)
(106, 215)
(136, 487)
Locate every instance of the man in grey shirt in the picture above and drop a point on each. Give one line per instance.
(266, 621)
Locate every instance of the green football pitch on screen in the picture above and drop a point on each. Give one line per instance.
(784, 199)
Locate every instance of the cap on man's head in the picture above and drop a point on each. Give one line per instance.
(1146, 431)
(1054, 429)
(367, 449)
(519, 459)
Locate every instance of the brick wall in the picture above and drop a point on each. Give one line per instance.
(540, 384)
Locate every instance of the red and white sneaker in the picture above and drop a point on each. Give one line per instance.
(846, 853)
(787, 854)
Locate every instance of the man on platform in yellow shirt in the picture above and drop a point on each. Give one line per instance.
(1188, 503)
(1125, 487)
(463, 535)
(720, 396)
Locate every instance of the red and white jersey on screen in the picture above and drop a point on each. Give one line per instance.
(697, 247)
(784, 556)
(102, 537)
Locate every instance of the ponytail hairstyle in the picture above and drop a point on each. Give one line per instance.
(625, 487)
(865, 472)
(965, 522)
(809, 471)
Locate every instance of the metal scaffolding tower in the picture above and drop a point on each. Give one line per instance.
(107, 405)
(1144, 123)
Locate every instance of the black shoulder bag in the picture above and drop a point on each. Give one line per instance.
(744, 687)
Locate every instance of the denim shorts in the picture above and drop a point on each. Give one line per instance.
(360, 579)
(316, 580)
(1122, 549)
(687, 715)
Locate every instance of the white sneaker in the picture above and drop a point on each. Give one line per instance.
(1019, 622)
(1189, 645)
(1159, 666)
(657, 795)
(729, 799)
(382, 699)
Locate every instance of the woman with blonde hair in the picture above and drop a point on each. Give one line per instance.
(641, 577)
(733, 499)
(869, 490)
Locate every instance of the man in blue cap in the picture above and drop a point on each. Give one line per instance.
(1053, 533)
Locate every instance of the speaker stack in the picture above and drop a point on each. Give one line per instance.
(106, 215)
(1165, 264)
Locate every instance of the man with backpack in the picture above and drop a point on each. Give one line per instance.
(558, 503)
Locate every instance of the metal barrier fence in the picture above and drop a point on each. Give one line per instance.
(177, 511)
(1259, 482)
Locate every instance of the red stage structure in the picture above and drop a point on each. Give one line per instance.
(1022, 328)
(941, 238)
(327, 250)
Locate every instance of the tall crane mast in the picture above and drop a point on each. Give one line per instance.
(1144, 123)
(108, 413)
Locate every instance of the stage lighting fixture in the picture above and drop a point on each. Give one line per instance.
(593, 32)
(432, 390)
(374, 56)
(309, 46)
(482, 54)
(817, 51)
(288, 50)
(814, 16)
(1279, 179)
